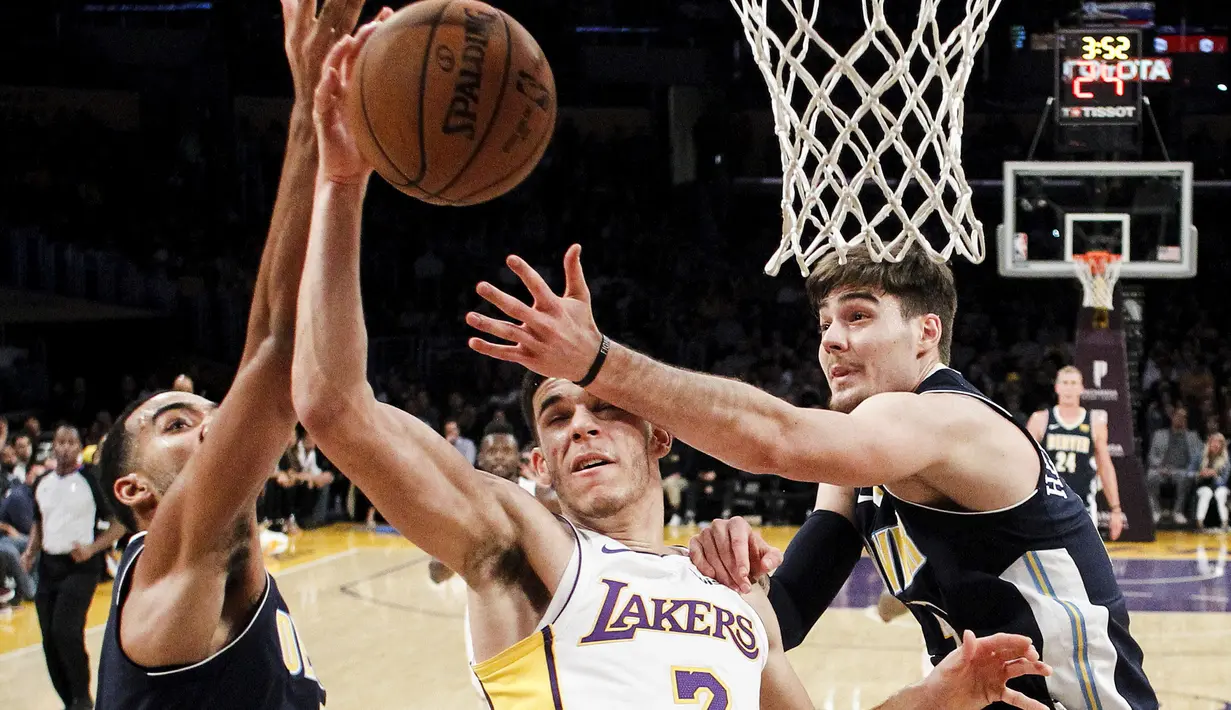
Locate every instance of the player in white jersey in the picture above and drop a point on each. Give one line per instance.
(1076, 440)
(589, 610)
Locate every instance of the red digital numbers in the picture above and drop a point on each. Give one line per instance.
(1089, 72)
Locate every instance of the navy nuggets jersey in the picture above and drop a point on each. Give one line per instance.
(1071, 448)
(264, 668)
(1037, 568)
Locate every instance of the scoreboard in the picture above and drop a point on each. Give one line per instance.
(1098, 77)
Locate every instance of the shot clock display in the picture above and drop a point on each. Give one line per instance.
(1098, 77)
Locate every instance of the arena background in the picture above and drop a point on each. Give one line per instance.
(140, 146)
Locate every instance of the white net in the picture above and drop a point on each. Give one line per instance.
(1098, 274)
(819, 198)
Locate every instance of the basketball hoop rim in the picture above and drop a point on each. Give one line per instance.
(1096, 262)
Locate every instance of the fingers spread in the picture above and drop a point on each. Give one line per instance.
(574, 278)
(543, 296)
(508, 353)
(491, 326)
(508, 305)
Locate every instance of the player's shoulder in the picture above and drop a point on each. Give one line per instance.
(1098, 417)
(931, 410)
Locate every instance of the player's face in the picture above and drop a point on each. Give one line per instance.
(23, 448)
(498, 454)
(597, 457)
(867, 347)
(67, 447)
(1068, 389)
(165, 432)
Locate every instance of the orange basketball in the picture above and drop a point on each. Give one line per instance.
(454, 102)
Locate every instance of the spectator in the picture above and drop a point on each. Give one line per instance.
(1212, 476)
(315, 478)
(42, 444)
(16, 521)
(1174, 456)
(69, 510)
(8, 462)
(674, 484)
(23, 449)
(453, 435)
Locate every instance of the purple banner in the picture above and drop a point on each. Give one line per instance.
(1103, 361)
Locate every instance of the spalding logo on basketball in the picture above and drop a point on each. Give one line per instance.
(455, 102)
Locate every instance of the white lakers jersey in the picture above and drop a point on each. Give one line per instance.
(630, 629)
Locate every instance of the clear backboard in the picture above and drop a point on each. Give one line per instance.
(1140, 211)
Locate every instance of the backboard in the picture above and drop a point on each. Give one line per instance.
(1141, 211)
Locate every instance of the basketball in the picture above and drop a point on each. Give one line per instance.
(454, 102)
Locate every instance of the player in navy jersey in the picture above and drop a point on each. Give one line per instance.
(196, 620)
(967, 520)
(1076, 440)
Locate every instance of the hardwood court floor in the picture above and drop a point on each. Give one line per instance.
(382, 636)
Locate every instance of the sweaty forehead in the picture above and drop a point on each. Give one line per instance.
(554, 390)
(163, 401)
(843, 294)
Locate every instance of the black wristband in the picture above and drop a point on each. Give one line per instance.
(603, 346)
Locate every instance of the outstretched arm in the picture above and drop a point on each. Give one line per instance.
(182, 580)
(975, 676)
(737, 423)
(1107, 471)
(466, 519)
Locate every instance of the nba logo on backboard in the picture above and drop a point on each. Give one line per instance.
(1100, 371)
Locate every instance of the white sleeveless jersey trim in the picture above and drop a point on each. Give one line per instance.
(1055, 413)
(255, 615)
(559, 601)
(119, 581)
(1037, 447)
(119, 584)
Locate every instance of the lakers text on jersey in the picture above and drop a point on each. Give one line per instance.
(1037, 568)
(631, 629)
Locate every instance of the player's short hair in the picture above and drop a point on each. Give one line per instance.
(1069, 370)
(530, 383)
(116, 461)
(920, 284)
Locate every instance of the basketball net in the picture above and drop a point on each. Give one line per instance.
(1098, 272)
(816, 195)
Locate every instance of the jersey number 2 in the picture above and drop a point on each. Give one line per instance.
(689, 682)
(1066, 462)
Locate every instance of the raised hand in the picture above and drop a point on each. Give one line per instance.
(554, 336)
(308, 37)
(733, 554)
(340, 160)
(974, 675)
